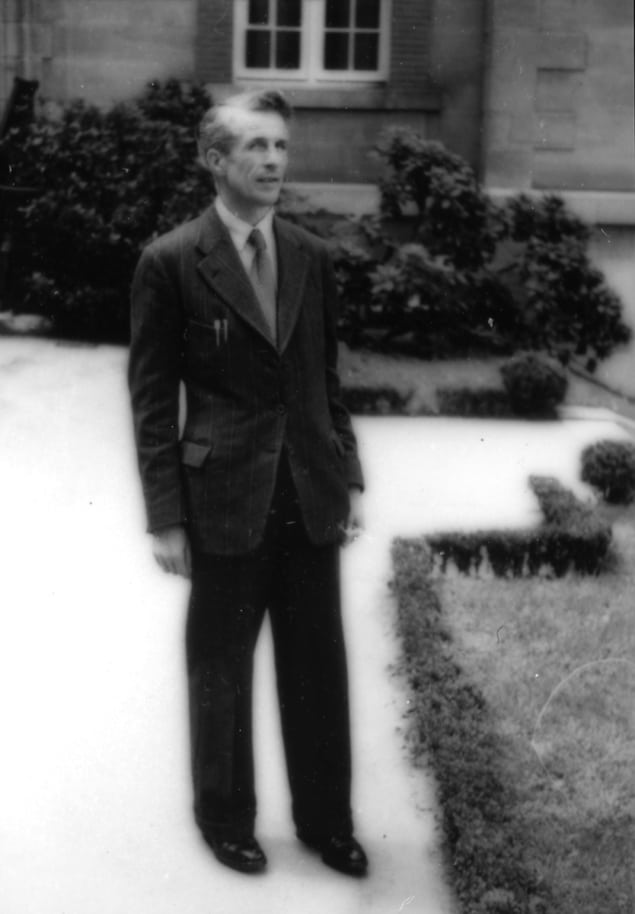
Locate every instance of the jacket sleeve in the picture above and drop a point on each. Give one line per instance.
(345, 440)
(154, 371)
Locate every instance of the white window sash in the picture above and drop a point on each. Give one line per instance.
(312, 38)
(240, 42)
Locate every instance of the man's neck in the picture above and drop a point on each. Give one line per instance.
(251, 216)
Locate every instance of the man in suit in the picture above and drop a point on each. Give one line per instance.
(255, 498)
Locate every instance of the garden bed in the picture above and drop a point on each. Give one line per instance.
(418, 380)
(522, 706)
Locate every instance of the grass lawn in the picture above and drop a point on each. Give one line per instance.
(524, 707)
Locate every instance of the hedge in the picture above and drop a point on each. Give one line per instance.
(484, 839)
(571, 537)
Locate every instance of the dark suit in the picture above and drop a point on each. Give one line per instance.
(260, 479)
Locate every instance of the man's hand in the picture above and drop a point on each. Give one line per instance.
(355, 522)
(171, 549)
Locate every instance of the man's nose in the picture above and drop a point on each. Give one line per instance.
(275, 156)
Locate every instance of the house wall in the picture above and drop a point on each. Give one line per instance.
(558, 110)
(101, 50)
(534, 93)
(434, 86)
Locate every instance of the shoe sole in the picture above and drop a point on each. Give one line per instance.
(360, 870)
(241, 867)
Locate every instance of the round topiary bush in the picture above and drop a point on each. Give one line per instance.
(609, 466)
(535, 383)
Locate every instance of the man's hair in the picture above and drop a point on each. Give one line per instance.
(215, 130)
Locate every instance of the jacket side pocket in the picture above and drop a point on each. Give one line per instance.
(193, 454)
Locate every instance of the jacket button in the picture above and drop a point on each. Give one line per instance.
(282, 409)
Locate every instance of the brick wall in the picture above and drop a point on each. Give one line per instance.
(214, 40)
(409, 43)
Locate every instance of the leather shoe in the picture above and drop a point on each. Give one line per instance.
(341, 852)
(242, 854)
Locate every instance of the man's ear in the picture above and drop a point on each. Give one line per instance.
(215, 162)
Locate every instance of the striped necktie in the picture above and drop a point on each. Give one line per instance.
(262, 279)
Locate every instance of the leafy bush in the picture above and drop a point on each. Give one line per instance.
(609, 466)
(535, 384)
(107, 182)
(444, 271)
(571, 536)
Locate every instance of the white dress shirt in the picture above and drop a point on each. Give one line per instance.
(239, 231)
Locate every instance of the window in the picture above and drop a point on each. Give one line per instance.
(311, 40)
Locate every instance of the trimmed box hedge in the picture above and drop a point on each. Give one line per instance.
(484, 837)
(571, 537)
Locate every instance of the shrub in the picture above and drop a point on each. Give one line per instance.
(571, 536)
(444, 271)
(535, 384)
(488, 402)
(609, 466)
(376, 401)
(108, 181)
(484, 836)
(534, 780)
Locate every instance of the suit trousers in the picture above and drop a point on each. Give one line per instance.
(298, 584)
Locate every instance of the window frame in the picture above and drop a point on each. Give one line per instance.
(311, 71)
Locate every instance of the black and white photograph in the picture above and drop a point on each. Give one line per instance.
(317, 456)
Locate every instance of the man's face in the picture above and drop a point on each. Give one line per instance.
(249, 178)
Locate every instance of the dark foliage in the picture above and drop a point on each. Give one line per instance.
(535, 384)
(107, 181)
(571, 537)
(443, 271)
(609, 466)
(482, 402)
(382, 401)
(484, 837)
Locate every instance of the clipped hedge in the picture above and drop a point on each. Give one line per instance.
(474, 402)
(484, 837)
(571, 537)
(372, 401)
(535, 384)
(609, 466)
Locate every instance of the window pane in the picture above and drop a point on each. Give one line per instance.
(338, 14)
(289, 12)
(366, 52)
(367, 14)
(258, 49)
(336, 51)
(287, 50)
(258, 12)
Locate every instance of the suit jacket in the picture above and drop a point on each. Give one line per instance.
(196, 323)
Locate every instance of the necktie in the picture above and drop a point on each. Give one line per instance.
(263, 281)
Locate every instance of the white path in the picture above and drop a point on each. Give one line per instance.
(94, 792)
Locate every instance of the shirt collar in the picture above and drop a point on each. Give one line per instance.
(239, 229)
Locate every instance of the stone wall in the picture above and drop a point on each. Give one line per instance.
(102, 50)
(559, 100)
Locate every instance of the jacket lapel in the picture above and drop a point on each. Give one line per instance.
(293, 264)
(222, 270)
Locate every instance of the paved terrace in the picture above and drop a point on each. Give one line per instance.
(94, 769)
